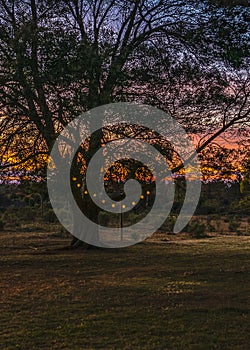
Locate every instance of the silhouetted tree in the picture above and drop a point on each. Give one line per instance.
(61, 58)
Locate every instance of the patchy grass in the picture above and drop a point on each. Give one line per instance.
(184, 294)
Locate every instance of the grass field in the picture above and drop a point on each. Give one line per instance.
(185, 294)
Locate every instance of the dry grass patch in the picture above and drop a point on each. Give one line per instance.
(180, 294)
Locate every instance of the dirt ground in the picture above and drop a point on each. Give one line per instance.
(167, 293)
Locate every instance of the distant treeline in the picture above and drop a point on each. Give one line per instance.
(216, 197)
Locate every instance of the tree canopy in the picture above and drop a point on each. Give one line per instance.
(60, 58)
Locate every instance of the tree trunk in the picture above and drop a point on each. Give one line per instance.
(84, 201)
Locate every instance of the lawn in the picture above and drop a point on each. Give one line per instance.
(178, 294)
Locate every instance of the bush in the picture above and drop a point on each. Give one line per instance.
(104, 218)
(26, 213)
(2, 224)
(197, 229)
(209, 206)
(233, 225)
(211, 228)
(132, 218)
(168, 225)
(10, 216)
(50, 216)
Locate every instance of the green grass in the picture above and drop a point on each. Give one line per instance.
(177, 295)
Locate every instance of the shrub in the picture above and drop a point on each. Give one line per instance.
(50, 216)
(168, 225)
(233, 225)
(211, 228)
(132, 218)
(27, 213)
(104, 218)
(10, 215)
(197, 229)
(2, 224)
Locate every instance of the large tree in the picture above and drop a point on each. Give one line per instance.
(62, 58)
